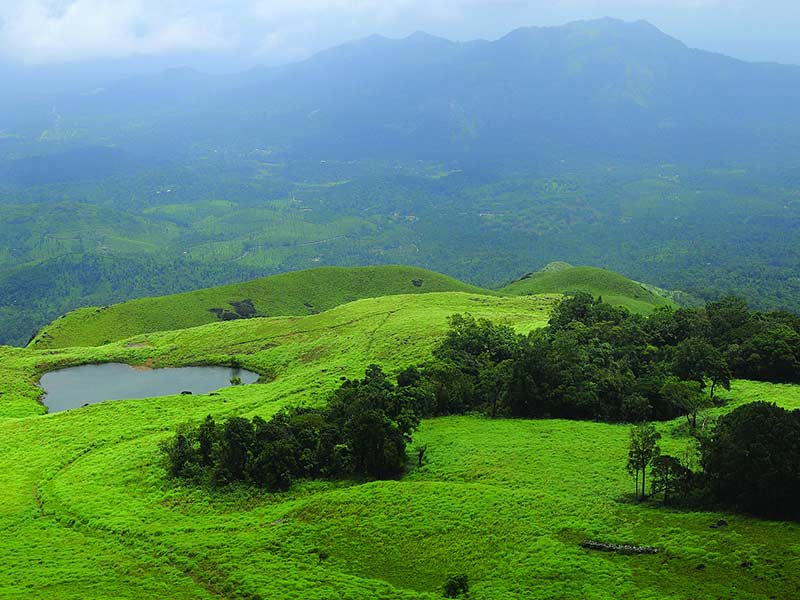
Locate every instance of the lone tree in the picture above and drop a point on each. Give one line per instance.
(421, 454)
(642, 450)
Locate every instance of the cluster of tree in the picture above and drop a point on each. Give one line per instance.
(755, 345)
(750, 461)
(363, 430)
(593, 361)
(596, 361)
(669, 476)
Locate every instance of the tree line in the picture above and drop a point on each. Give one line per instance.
(749, 461)
(592, 361)
(600, 362)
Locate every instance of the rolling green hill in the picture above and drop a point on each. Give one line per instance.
(295, 293)
(614, 288)
(314, 290)
(86, 510)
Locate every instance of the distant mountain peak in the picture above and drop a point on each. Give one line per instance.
(423, 36)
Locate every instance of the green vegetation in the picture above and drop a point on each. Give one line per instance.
(277, 489)
(86, 510)
(102, 241)
(642, 451)
(611, 287)
(597, 361)
(205, 181)
(748, 462)
(297, 293)
(362, 430)
(301, 293)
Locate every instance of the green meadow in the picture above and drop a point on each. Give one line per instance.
(86, 510)
(294, 293)
(611, 287)
(315, 290)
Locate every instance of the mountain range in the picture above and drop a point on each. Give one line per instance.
(588, 91)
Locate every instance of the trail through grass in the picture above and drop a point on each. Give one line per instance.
(85, 510)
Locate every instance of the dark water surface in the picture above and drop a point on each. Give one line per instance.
(89, 384)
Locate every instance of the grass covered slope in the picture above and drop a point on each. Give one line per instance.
(87, 513)
(612, 287)
(295, 293)
(313, 291)
(392, 330)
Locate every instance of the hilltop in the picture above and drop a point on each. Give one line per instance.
(296, 293)
(561, 278)
(312, 291)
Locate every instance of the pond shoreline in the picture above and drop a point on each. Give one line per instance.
(77, 386)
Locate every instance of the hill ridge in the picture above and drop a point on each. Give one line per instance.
(310, 291)
(295, 293)
(561, 277)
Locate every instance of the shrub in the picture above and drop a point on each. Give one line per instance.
(456, 585)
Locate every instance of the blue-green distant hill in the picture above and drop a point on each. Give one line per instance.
(621, 89)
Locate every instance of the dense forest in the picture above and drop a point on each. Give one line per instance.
(169, 230)
(599, 362)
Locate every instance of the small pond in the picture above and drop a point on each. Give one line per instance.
(89, 384)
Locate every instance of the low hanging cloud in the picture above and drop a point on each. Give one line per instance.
(52, 31)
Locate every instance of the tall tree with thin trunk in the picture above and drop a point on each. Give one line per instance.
(643, 448)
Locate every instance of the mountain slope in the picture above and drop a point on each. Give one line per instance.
(612, 287)
(86, 511)
(312, 291)
(295, 293)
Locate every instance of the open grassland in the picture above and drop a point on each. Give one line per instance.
(312, 291)
(295, 293)
(393, 331)
(85, 510)
(612, 287)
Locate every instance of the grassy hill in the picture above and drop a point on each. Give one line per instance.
(296, 293)
(614, 288)
(86, 511)
(311, 291)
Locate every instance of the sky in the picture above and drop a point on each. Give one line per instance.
(230, 35)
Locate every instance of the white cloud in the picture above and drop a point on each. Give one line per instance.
(46, 31)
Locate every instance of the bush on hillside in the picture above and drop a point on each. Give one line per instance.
(751, 461)
(363, 430)
(456, 586)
